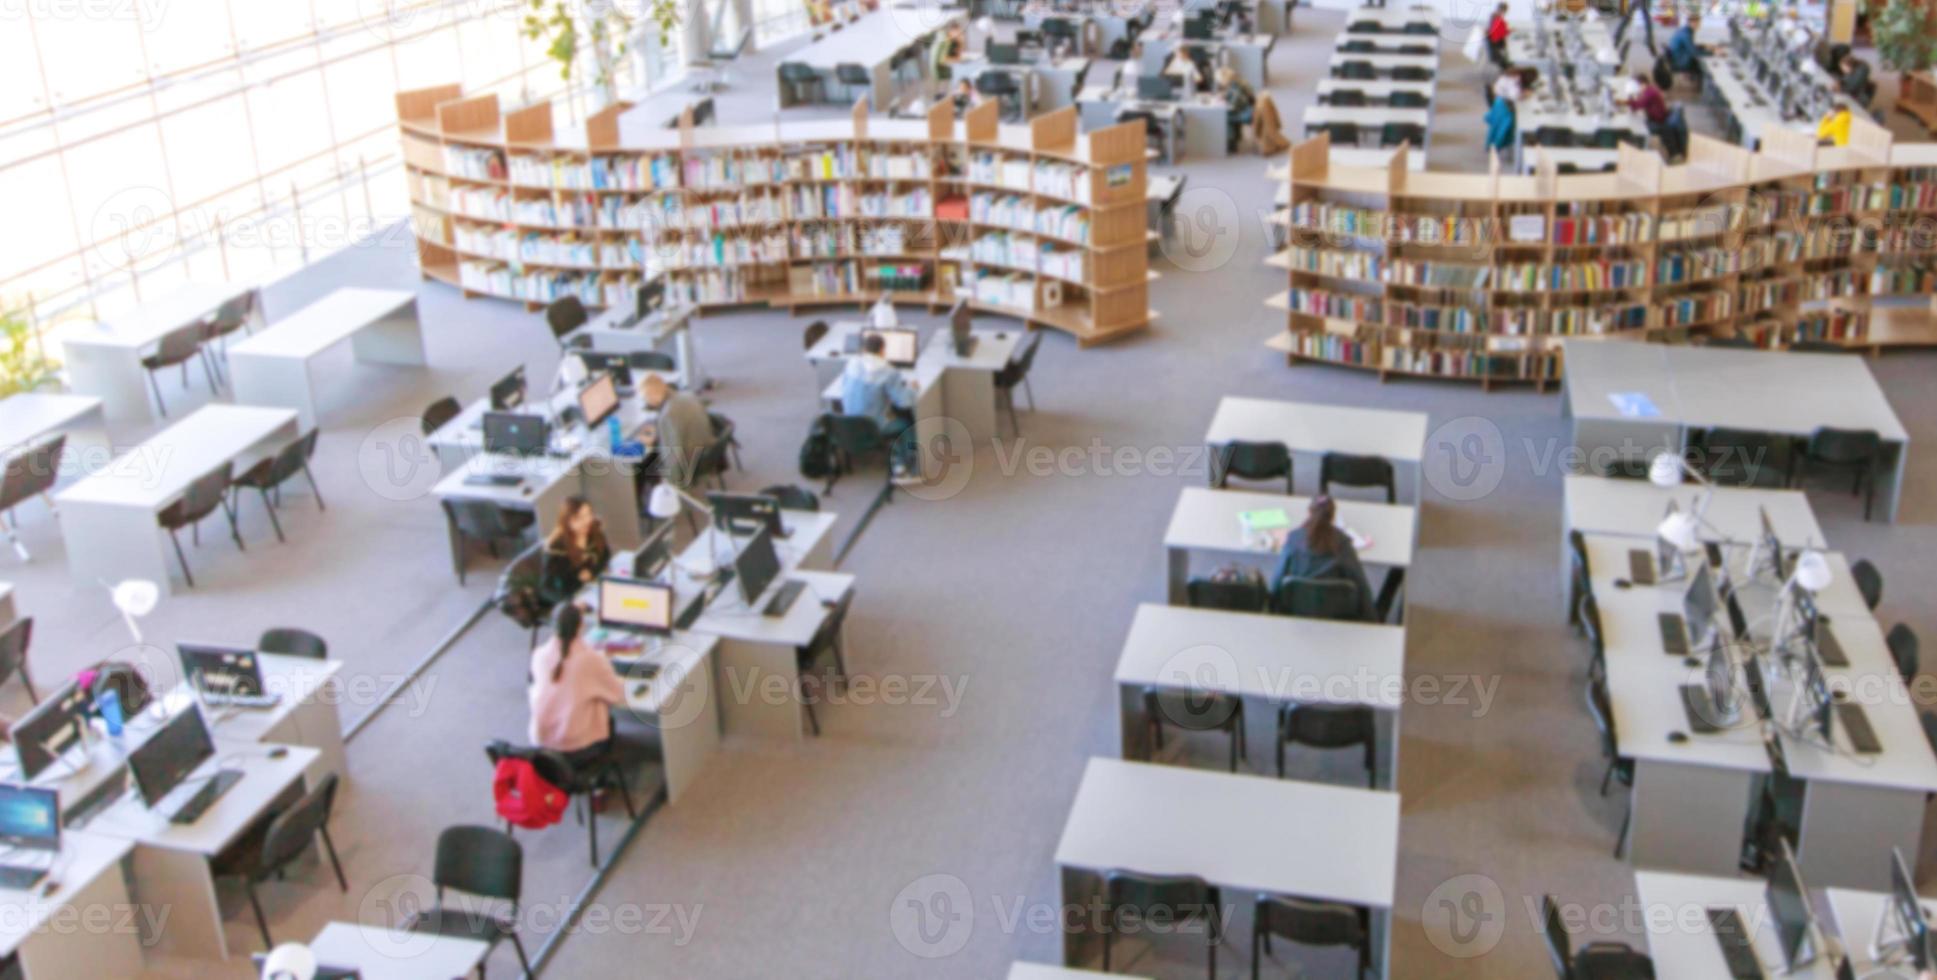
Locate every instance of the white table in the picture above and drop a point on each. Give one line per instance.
(666, 331)
(1681, 942)
(1205, 522)
(1391, 20)
(390, 954)
(1040, 971)
(1854, 914)
(1385, 63)
(544, 484)
(872, 41)
(104, 359)
(306, 714)
(83, 930)
(1267, 661)
(27, 417)
(954, 395)
(109, 518)
(1312, 430)
(758, 671)
(273, 366)
(1243, 834)
(680, 706)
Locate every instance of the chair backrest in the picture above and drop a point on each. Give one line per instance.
(293, 830)
(32, 472)
(206, 493)
(813, 334)
(289, 459)
(1736, 457)
(1419, 27)
(1348, 97)
(1735, 341)
(854, 434)
(1603, 715)
(441, 412)
(1622, 468)
(794, 71)
(1329, 726)
(1343, 133)
(233, 314)
(651, 360)
(523, 594)
(1844, 446)
(792, 497)
(14, 641)
(1348, 470)
(1314, 923)
(477, 518)
(1868, 580)
(1318, 598)
(1820, 347)
(1395, 133)
(1559, 948)
(1412, 73)
(1903, 649)
(480, 861)
(179, 345)
(1406, 100)
(1357, 69)
(995, 83)
(829, 634)
(1606, 139)
(1178, 898)
(1231, 596)
(1358, 47)
(1192, 710)
(565, 314)
(293, 642)
(852, 74)
(1251, 460)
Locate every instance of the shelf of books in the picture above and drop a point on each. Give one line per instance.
(1481, 276)
(1036, 222)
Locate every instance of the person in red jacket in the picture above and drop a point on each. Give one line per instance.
(1496, 37)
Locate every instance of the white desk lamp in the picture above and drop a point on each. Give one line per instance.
(290, 961)
(1669, 471)
(1812, 573)
(665, 503)
(134, 598)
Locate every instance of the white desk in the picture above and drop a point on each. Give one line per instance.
(871, 42)
(544, 483)
(680, 706)
(1682, 943)
(1311, 430)
(27, 417)
(758, 672)
(1391, 20)
(1243, 834)
(83, 930)
(667, 331)
(1206, 522)
(954, 395)
(272, 367)
(1039, 971)
(109, 518)
(104, 359)
(306, 714)
(1198, 126)
(1853, 914)
(389, 954)
(1267, 661)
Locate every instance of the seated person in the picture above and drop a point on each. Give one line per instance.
(1684, 55)
(965, 97)
(1650, 102)
(576, 551)
(1241, 100)
(1188, 73)
(1853, 77)
(573, 690)
(681, 432)
(1834, 128)
(872, 387)
(1318, 549)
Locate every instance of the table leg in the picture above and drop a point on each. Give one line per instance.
(106, 543)
(1848, 830)
(1688, 818)
(1132, 726)
(396, 338)
(179, 894)
(112, 374)
(1895, 462)
(688, 731)
(1179, 575)
(54, 954)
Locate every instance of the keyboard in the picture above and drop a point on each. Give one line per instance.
(192, 810)
(1737, 950)
(492, 480)
(254, 702)
(1674, 635)
(1829, 649)
(783, 600)
(1857, 724)
(1641, 567)
(20, 877)
(1703, 717)
(692, 614)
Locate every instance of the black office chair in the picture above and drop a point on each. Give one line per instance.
(1358, 47)
(1346, 98)
(1236, 595)
(484, 862)
(524, 594)
(290, 835)
(1622, 468)
(1251, 461)
(440, 413)
(1395, 133)
(1342, 133)
(1858, 452)
(1361, 70)
(1348, 470)
(813, 334)
(1407, 100)
(1416, 50)
(1016, 373)
(1412, 73)
(270, 474)
(801, 83)
(14, 641)
(203, 497)
(1868, 581)
(29, 474)
(1594, 961)
(1059, 30)
(1195, 711)
(851, 77)
(792, 497)
(1820, 347)
(1617, 767)
(1002, 87)
(1604, 139)
(564, 315)
(482, 520)
(1580, 578)
(1329, 726)
(1176, 900)
(1419, 27)
(1567, 168)
(1902, 641)
(578, 781)
(292, 642)
(1309, 923)
(1155, 136)
(825, 647)
(1739, 458)
(175, 349)
(1590, 618)
(1316, 598)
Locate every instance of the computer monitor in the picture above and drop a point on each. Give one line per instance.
(652, 297)
(1198, 28)
(619, 366)
(1698, 607)
(30, 817)
(1719, 677)
(509, 391)
(221, 670)
(55, 727)
(756, 566)
(170, 755)
(635, 605)
(516, 433)
(1788, 900)
(960, 319)
(746, 513)
(899, 347)
(1822, 704)
(1907, 908)
(1004, 54)
(598, 400)
(1156, 88)
(651, 558)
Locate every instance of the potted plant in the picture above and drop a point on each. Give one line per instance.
(22, 366)
(1903, 36)
(599, 28)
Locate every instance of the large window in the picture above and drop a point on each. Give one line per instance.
(777, 20)
(145, 142)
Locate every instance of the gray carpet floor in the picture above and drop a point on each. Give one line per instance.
(800, 859)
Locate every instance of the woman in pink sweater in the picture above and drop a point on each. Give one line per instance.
(573, 691)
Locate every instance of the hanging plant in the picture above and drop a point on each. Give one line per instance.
(1903, 36)
(598, 28)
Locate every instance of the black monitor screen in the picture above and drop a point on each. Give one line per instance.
(55, 727)
(745, 513)
(1789, 904)
(1197, 29)
(1698, 605)
(757, 566)
(516, 434)
(1155, 88)
(652, 296)
(1004, 54)
(619, 366)
(162, 762)
(30, 817)
(221, 670)
(509, 391)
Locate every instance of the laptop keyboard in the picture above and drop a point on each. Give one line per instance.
(1674, 635)
(1641, 567)
(1857, 724)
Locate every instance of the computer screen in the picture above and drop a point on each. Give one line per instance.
(598, 399)
(30, 817)
(652, 296)
(221, 670)
(516, 433)
(745, 513)
(1789, 904)
(55, 727)
(167, 758)
(1698, 606)
(757, 566)
(1908, 907)
(619, 366)
(651, 557)
(1155, 88)
(509, 391)
(1004, 54)
(1197, 29)
(899, 347)
(635, 605)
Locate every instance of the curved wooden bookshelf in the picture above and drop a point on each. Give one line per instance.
(1481, 276)
(508, 205)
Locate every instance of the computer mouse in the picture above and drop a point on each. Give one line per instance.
(1677, 738)
(1691, 662)
(639, 690)
(1621, 583)
(278, 752)
(49, 887)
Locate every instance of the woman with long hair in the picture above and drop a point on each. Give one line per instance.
(1319, 550)
(576, 551)
(573, 691)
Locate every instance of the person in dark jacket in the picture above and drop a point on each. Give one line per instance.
(1319, 550)
(576, 551)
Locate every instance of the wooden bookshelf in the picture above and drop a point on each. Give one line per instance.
(1918, 97)
(1481, 276)
(1035, 222)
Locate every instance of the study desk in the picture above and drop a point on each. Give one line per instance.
(103, 359)
(30, 416)
(377, 953)
(872, 41)
(171, 863)
(1383, 64)
(668, 331)
(87, 928)
(272, 367)
(1391, 20)
(1199, 124)
(1043, 84)
(1311, 430)
(1247, 54)
(1039, 971)
(1205, 522)
(1242, 834)
(758, 673)
(1374, 89)
(1368, 118)
(1582, 159)
(948, 386)
(1853, 914)
(1681, 942)
(680, 706)
(305, 714)
(109, 519)
(1267, 661)
(544, 482)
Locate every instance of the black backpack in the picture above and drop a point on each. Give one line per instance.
(817, 452)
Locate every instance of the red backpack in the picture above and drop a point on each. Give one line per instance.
(524, 798)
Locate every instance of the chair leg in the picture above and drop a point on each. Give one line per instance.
(175, 537)
(271, 510)
(160, 405)
(28, 682)
(1031, 392)
(235, 530)
(329, 847)
(313, 488)
(1621, 840)
(592, 828)
(1609, 774)
(18, 548)
(813, 720)
(262, 922)
(523, 963)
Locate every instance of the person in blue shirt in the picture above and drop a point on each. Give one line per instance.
(1499, 124)
(1683, 54)
(1318, 549)
(872, 387)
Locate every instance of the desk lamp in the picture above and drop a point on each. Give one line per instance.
(290, 961)
(135, 597)
(1812, 573)
(1669, 471)
(667, 501)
